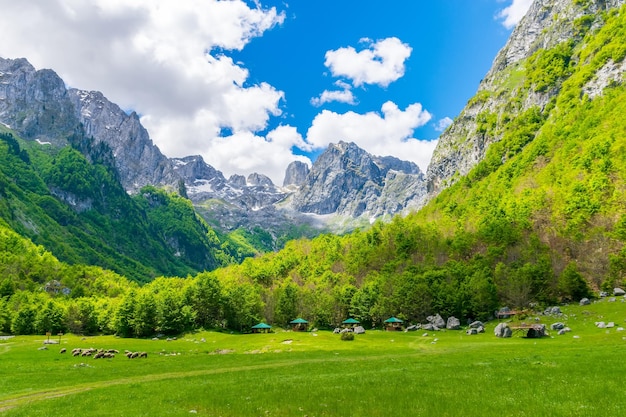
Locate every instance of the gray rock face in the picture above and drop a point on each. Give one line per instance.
(503, 330)
(296, 174)
(436, 320)
(557, 326)
(347, 180)
(138, 161)
(35, 103)
(546, 24)
(453, 323)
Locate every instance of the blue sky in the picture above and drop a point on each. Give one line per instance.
(254, 85)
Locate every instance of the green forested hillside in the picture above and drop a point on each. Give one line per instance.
(77, 209)
(540, 220)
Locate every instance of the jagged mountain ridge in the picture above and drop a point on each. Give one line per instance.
(347, 180)
(36, 104)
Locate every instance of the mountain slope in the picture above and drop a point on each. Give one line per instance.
(78, 210)
(509, 88)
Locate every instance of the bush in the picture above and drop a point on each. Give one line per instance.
(347, 336)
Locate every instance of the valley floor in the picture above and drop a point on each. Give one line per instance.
(446, 373)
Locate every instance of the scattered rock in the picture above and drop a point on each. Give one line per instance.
(503, 330)
(557, 326)
(600, 324)
(359, 330)
(537, 331)
(604, 294)
(337, 330)
(552, 311)
(412, 328)
(471, 331)
(476, 324)
(453, 323)
(585, 302)
(619, 292)
(436, 321)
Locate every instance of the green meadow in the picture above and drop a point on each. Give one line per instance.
(445, 373)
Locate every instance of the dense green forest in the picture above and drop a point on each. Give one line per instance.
(540, 220)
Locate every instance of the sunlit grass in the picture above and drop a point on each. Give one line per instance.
(316, 374)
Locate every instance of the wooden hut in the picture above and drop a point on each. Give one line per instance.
(299, 325)
(261, 328)
(393, 324)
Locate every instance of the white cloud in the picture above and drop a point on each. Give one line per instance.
(380, 63)
(168, 61)
(386, 133)
(442, 124)
(244, 152)
(344, 95)
(512, 14)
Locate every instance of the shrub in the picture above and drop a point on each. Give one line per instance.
(347, 336)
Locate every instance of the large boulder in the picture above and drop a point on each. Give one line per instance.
(557, 326)
(503, 330)
(453, 323)
(538, 330)
(430, 327)
(359, 330)
(618, 292)
(437, 321)
(552, 311)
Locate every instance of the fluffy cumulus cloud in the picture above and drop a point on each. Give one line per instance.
(512, 14)
(344, 95)
(168, 61)
(388, 132)
(379, 63)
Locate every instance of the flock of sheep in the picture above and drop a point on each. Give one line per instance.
(104, 353)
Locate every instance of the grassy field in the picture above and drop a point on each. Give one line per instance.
(446, 373)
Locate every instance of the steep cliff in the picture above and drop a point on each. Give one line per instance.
(507, 91)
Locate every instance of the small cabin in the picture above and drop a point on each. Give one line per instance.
(299, 325)
(393, 324)
(261, 328)
(350, 323)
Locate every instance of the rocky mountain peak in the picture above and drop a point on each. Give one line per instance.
(347, 180)
(296, 173)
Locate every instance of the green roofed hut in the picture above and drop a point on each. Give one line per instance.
(350, 322)
(299, 325)
(261, 328)
(393, 324)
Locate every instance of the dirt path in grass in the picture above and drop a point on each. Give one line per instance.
(45, 394)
